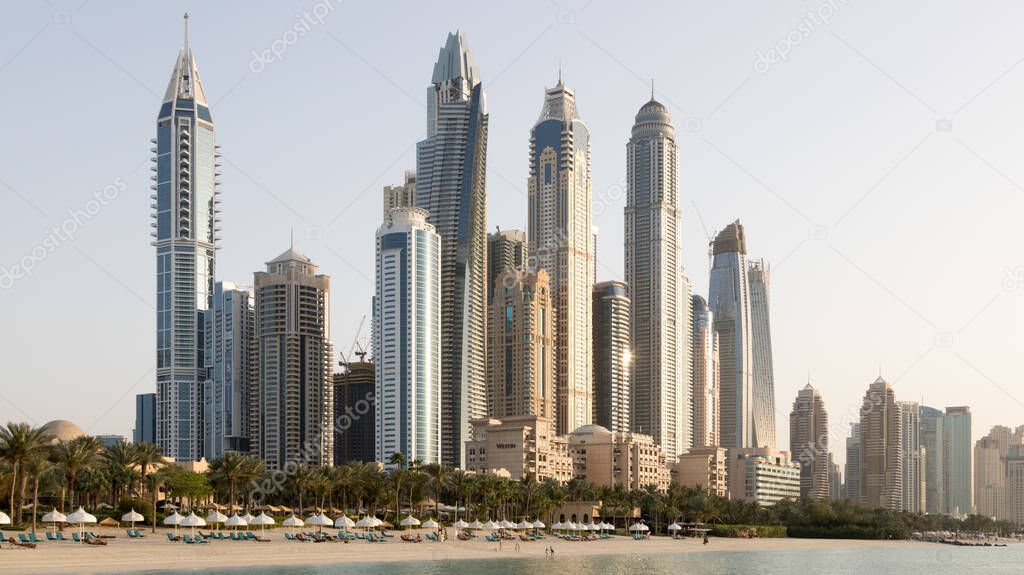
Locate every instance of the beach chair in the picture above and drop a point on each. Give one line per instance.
(170, 537)
(50, 536)
(188, 539)
(23, 538)
(3, 538)
(250, 535)
(33, 539)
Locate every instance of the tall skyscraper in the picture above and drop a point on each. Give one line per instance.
(881, 452)
(705, 375)
(1015, 484)
(990, 472)
(562, 243)
(521, 346)
(407, 338)
(653, 254)
(729, 298)
(932, 432)
(913, 458)
(506, 249)
(763, 372)
(612, 356)
(958, 444)
(354, 424)
(851, 488)
(293, 395)
(185, 226)
(451, 169)
(230, 332)
(835, 479)
(808, 443)
(145, 418)
(402, 196)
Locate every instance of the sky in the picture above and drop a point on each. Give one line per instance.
(871, 150)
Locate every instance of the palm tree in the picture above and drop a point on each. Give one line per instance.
(252, 472)
(439, 474)
(18, 443)
(458, 481)
(36, 468)
(302, 480)
(229, 469)
(73, 456)
(148, 457)
(120, 463)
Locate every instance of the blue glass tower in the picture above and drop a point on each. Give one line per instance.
(185, 235)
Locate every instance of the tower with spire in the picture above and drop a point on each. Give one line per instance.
(185, 226)
(451, 169)
(562, 243)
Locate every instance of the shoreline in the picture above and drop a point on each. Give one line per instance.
(156, 553)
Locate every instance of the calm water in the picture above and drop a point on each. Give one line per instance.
(940, 560)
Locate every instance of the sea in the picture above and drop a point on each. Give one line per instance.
(937, 560)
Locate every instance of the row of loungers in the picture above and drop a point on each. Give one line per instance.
(341, 536)
(31, 539)
(216, 535)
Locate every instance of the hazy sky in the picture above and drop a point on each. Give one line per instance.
(871, 149)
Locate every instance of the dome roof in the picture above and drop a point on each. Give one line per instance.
(592, 429)
(62, 430)
(653, 118)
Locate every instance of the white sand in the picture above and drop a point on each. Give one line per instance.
(156, 552)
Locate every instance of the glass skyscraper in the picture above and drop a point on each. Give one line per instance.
(185, 209)
(230, 331)
(613, 358)
(762, 368)
(451, 169)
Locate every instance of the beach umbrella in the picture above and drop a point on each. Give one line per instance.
(538, 524)
(292, 521)
(168, 505)
(235, 521)
(4, 519)
(319, 520)
(173, 519)
(460, 524)
(54, 517)
(490, 525)
(558, 526)
(409, 521)
(430, 524)
(263, 520)
(193, 521)
(132, 516)
(505, 524)
(364, 522)
(475, 525)
(374, 522)
(216, 517)
(248, 517)
(524, 525)
(80, 518)
(344, 522)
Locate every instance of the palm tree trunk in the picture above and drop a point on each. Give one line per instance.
(14, 482)
(35, 499)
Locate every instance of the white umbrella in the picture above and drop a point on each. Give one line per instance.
(409, 521)
(216, 517)
(235, 521)
(490, 525)
(263, 520)
(193, 521)
(80, 518)
(319, 520)
(558, 526)
(344, 522)
(638, 527)
(460, 524)
(571, 526)
(248, 517)
(524, 525)
(173, 519)
(538, 524)
(374, 522)
(475, 525)
(132, 516)
(55, 517)
(429, 524)
(364, 522)
(674, 527)
(292, 521)
(4, 519)
(504, 524)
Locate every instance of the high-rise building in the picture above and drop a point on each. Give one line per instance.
(562, 243)
(958, 444)
(506, 249)
(808, 442)
(451, 169)
(354, 425)
(403, 196)
(1015, 484)
(292, 399)
(407, 338)
(729, 298)
(612, 356)
(145, 418)
(230, 332)
(932, 432)
(990, 473)
(661, 362)
(881, 451)
(704, 343)
(851, 488)
(185, 225)
(521, 346)
(835, 479)
(913, 458)
(763, 372)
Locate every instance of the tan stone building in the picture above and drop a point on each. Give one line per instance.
(990, 472)
(522, 445)
(606, 458)
(520, 346)
(706, 467)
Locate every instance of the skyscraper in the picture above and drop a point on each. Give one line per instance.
(521, 346)
(729, 298)
(402, 196)
(808, 443)
(881, 451)
(506, 249)
(185, 227)
(561, 242)
(230, 332)
(292, 398)
(653, 252)
(932, 424)
(851, 488)
(407, 338)
(354, 424)
(612, 356)
(957, 443)
(451, 169)
(145, 418)
(913, 459)
(705, 375)
(1015, 484)
(990, 472)
(763, 373)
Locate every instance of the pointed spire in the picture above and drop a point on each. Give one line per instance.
(186, 32)
(559, 71)
(185, 80)
(652, 88)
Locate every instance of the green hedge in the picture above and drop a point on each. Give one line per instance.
(846, 532)
(772, 531)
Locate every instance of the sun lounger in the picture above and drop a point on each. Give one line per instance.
(33, 539)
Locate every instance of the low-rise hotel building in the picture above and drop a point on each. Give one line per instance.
(763, 475)
(521, 446)
(706, 467)
(605, 458)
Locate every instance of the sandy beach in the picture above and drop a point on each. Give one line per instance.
(155, 552)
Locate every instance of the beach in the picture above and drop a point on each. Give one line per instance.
(155, 552)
